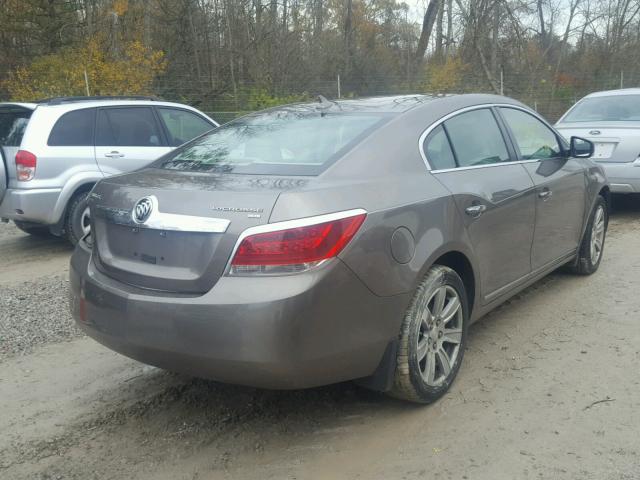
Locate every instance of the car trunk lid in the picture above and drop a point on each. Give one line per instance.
(187, 246)
(613, 141)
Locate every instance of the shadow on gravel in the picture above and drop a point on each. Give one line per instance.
(625, 204)
(45, 243)
(213, 423)
(160, 415)
(207, 406)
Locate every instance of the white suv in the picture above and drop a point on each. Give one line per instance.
(54, 151)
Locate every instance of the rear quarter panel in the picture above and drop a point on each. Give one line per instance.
(56, 165)
(386, 176)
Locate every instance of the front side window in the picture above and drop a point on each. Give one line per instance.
(438, 150)
(182, 125)
(128, 127)
(476, 138)
(615, 108)
(287, 141)
(534, 139)
(74, 129)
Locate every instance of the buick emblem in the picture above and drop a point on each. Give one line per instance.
(142, 210)
(594, 132)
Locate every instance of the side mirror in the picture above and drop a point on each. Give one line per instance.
(580, 148)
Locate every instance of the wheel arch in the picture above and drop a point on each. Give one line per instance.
(69, 191)
(605, 192)
(460, 263)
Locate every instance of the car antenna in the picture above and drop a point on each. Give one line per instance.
(326, 103)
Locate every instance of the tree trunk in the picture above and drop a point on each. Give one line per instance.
(543, 29)
(487, 72)
(565, 39)
(439, 30)
(318, 18)
(231, 55)
(494, 37)
(146, 23)
(194, 40)
(449, 46)
(348, 39)
(427, 26)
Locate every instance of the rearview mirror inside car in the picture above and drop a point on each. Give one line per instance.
(580, 147)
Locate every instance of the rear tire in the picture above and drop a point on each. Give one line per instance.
(432, 338)
(33, 228)
(592, 246)
(77, 221)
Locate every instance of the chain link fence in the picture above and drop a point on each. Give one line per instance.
(549, 94)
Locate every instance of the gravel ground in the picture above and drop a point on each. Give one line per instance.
(549, 389)
(34, 313)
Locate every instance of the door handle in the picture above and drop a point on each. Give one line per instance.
(114, 154)
(475, 210)
(545, 194)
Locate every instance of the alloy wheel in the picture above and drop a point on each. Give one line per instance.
(597, 235)
(440, 335)
(85, 221)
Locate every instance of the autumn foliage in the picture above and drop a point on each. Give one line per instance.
(63, 73)
(447, 76)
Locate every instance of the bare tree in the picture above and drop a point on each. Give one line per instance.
(427, 27)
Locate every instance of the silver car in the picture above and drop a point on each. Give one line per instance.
(321, 242)
(611, 120)
(53, 152)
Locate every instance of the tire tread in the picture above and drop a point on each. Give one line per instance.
(403, 388)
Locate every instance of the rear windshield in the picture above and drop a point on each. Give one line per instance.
(616, 108)
(294, 141)
(13, 122)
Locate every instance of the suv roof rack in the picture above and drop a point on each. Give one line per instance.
(60, 100)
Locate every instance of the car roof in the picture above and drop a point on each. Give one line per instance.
(612, 93)
(397, 104)
(28, 105)
(68, 104)
(382, 104)
(75, 105)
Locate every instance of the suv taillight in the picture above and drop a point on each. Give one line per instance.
(295, 249)
(25, 165)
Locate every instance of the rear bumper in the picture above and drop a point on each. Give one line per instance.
(284, 332)
(30, 205)
(623, 177)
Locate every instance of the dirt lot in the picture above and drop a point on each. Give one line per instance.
(549, 389)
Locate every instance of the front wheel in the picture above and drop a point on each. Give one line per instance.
(432, 338)
(592, 246)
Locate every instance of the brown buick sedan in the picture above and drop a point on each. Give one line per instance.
(336, 240)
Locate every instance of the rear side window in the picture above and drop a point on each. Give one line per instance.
(476, 138)
(288, 141)
(534, 139)
(128, 127)
(73, 129)
(438, 150)
(183, 126)
(13, 122)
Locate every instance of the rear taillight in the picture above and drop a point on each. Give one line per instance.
(295, 246)
(25, 165)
